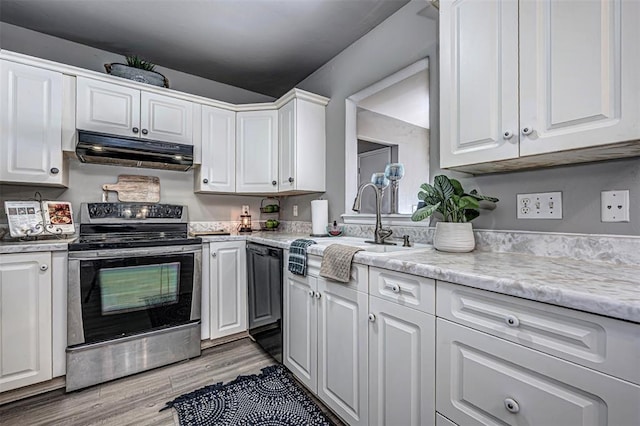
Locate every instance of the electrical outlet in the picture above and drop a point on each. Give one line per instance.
(295, 210)
(614, 206)
(543, 205)
(245, 209)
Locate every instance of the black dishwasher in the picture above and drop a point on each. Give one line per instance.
(264, 267)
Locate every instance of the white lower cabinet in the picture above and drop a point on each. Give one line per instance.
(325, 341)
(342, 351)
(401, 365)
(227, 288)
(484, 380)
(25, 319)
(300, 346)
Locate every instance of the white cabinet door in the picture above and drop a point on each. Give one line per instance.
(166, 119)
(300, 314)
(484, 380)
(228, 288)
(342, 351)
(107, 108)
(579, 67)
(217, 172)
(25, 319)
(257, 152)
(478, 81)
(287, 146)
(31, 125)
(302, 147)
(401, 365)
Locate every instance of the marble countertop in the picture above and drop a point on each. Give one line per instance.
(597, 287)
(7, 247)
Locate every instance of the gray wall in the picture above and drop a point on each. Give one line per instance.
(22, 40)
(85, 180)
(403, 39)
(399, 41)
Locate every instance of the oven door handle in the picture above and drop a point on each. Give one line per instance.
(117, 253)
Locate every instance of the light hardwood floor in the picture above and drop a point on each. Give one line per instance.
(136, 400)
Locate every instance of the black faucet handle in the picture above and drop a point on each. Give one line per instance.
(406, 242)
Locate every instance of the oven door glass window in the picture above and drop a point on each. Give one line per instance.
(126, 296)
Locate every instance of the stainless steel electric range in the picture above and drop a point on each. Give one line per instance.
(134, 291)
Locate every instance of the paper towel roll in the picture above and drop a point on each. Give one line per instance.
(319, 216)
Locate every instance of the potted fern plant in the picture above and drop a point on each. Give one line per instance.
(457, 208)
(137, 69)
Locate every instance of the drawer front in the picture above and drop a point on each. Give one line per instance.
(359, 274)
(404, 289)
(603, 344)
(483, 380)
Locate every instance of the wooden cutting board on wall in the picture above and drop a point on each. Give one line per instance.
(135, 188)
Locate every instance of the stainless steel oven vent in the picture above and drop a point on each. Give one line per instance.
(101, 148)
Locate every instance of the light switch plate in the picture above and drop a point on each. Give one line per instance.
(543, 205)
(614, 206)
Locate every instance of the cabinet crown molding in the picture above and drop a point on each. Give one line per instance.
(81, 72)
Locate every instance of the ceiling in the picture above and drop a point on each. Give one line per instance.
(267, 46)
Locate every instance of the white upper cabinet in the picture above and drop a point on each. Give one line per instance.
(217, 172)
(526, 84)
(302, 145)
(120, 110)
(257, 151)
(579, 68)
(478, 81)
(31, 125)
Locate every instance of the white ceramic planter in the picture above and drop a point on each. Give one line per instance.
(454, 237)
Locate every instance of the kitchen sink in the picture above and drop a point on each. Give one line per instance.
(373, 249)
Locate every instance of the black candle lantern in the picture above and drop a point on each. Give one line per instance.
(245, 222)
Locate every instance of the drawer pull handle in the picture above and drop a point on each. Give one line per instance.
(44, 267)
(317, 295)
(511, 405)
(372, 318)
(395, 288)
(512, 321)
(214, 254)
(311, 293)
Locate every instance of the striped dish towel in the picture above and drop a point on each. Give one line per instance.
(298, 256)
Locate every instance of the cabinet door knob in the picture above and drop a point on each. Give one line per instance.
(274, 183)
(290, 180)
(214, 254)
(135, 130)
(527, 130)
(44, 267)
(317, 295)
(511, 405)
(508, 134)
(205, 180)
(55, 170)
(512, 320)
(311, 293)
(372, 317)
(395, 288)
(145, 131)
